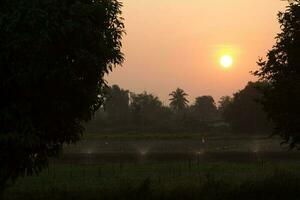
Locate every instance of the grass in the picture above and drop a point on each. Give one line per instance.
(143, 136)
(167, 180)
(173, 142)
(168, 167)
(167, 136)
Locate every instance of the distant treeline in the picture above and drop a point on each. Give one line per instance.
(125, 111)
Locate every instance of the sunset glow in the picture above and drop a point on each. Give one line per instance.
(177, 43)
(226, 61)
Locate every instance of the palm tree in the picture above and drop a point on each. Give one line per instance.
(178, 100)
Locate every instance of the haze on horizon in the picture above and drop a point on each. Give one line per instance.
(176, 43)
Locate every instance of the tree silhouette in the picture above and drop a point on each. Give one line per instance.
(116, 105)
(178, 100)
(53, 58)
(282, 71)
(244, 113)
(205, 108)
(146, 109)
(224, 103)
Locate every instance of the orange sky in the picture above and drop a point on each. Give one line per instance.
(175, 43)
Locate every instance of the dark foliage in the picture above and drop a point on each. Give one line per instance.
(144, 107)
(117, 105)
(53, 57)
(282, 71)
(127, 112)
(244, 112)
(205, 109)
(224, 102)
(277, 185)
(144, 113)
(178, 100)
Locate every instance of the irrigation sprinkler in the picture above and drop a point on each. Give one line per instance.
(142, 153)
(258, 158)
(198, 155)
(89, 155)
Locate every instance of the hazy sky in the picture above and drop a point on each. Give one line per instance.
(177, 43)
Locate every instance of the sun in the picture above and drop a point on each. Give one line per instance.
(226, 61)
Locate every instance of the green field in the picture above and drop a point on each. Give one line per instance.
(112, 167)
(174, 143)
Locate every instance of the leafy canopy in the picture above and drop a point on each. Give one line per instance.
(244, 112)
(205, 107)
(282, 70)
(53, 58)
(178, 100)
